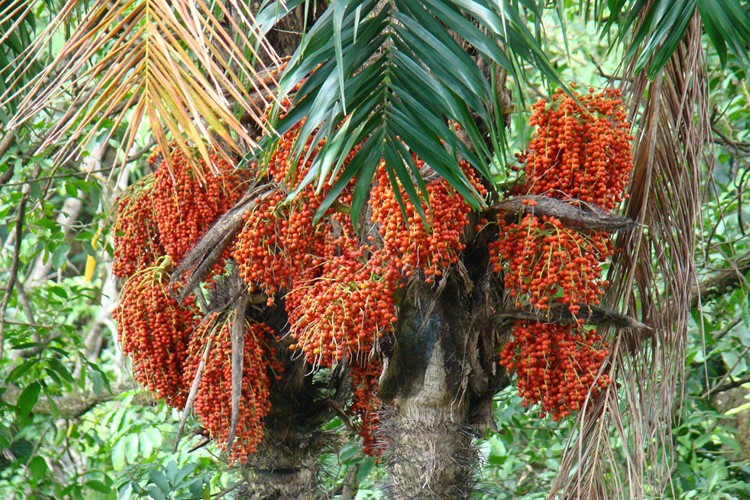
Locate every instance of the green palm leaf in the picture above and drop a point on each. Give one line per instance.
(665, 22)
(398, 76)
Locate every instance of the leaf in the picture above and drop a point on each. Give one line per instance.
(160, 480)
(58, 290)
(60, 255)
(5, 437)
(71, 189)
(131, 447)
(118, 455)
(20, 370)
(98, 486)
(38, 468)
(197, 489)
(28, 399)
(171, 470)
(393, 71)
(155, 493)
(238, 332)
(184, 67)
(60, 369)
(97, 382)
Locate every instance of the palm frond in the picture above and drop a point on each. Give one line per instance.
(189, 68)
(659, 26)
(651, 279)
(390, 76)
(17, 25)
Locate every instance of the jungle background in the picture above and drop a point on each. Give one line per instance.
(73, 423)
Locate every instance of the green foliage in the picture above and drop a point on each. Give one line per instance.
(387, 76)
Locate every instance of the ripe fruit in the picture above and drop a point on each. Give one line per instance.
(137, 243)
(579, 153)
(186, 204)
(212, 341)
(154, 331)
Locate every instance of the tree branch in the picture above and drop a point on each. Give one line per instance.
(16, 256)
(573, 213)
(591, 315)
(7, 141)
(729, 385)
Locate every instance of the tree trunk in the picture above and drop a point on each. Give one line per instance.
(442, 372)
(431, 452)
(286, 463)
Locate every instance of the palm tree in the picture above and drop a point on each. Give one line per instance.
(385, 81)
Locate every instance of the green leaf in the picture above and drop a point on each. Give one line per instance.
(131, 448)
(155, 493)
(159, 479)
(20, 370)
(28, 399)
(197, 489)
(60, 255)
(348, 451)
(97, 382)
(118, 455)
(393, 71)
(183, 473)
(60, 369)
(98, 486)
(71, 189)
(5, 437)
(365, 467)
(89, 249)
(38, 468)
(171, 470)
(59, 291)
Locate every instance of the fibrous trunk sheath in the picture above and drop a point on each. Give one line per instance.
(430, 454)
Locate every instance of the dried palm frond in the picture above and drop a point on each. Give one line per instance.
(651, 280)
(188, 67)
(17, 24)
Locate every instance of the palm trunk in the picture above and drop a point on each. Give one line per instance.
(286, 463)
(441, 371)
(431, 452)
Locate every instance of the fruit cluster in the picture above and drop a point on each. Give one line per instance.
(550, 262)
(212, 343)
(154, 331)
(136, 242)
(340, 284)
(580, 153)
(187, 200)
(160, 218)
(580, 149)
(556, 365)
(340, 287)
(410, 243)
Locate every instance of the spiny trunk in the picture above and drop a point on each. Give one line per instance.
(431, 456)
(442, 373)
(285, 465)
